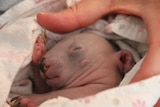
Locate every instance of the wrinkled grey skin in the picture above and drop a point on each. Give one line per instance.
(78, 66)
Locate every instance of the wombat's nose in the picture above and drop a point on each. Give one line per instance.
(42, 65)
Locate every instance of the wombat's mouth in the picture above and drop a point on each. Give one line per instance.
(52, 77)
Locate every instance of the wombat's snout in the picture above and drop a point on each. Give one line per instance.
(42, 65)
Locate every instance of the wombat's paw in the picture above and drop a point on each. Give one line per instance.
(22, 101)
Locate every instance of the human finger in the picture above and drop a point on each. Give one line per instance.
(80, 15)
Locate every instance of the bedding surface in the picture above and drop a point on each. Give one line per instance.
(6, 4)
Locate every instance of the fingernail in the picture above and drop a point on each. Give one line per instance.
(42, 13)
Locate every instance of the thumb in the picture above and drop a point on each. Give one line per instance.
(80, 15)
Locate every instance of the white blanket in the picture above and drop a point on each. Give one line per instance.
(18, 34)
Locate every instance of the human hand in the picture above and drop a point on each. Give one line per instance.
(80, 15)
(88, 11)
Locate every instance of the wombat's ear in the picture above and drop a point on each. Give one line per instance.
(126, 59)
